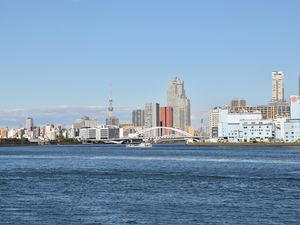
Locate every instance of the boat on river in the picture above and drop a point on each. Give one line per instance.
(139, 145)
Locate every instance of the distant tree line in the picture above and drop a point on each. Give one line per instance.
(14, 141)
(60, 139)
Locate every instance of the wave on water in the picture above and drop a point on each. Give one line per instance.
(156, 158)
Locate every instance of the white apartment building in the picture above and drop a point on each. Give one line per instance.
(244, 127)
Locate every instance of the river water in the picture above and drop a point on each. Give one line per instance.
(166, 184)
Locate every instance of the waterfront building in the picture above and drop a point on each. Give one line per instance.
(108, 132)
(138, 117)
(292, 126)
(177, 99)
(261, 130)
(87, 133)
(12, 133)
(29, 123)
(277, 86)
(114, 132)
(4, 132)
(102, 133)
(280, 128)
(292, 130)
(49, 132)
(213, 122)
(245, 127)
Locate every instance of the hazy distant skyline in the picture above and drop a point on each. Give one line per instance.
(66, 53)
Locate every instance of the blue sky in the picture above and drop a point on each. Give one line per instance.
(58, 54)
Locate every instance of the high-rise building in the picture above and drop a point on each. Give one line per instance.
(138, 117)
(29, 123)
(214, 121)
(166, 116)
(177, 99)
(152, 115)
(277, 86)
(166, 119)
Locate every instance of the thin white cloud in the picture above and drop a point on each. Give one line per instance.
(64, 114)
(61, 114)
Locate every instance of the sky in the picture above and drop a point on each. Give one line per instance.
(59, 58)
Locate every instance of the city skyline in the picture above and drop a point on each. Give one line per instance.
(60, 56)
(58, 114)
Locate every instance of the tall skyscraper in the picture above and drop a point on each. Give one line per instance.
(277, 86)
(29, 123)
(166, 119)
(138, 117)
(166, 116)
(151, 115)
(176, 98)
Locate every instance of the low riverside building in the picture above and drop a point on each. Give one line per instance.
(87, 133)
(100, 133)
(292, 130)
(245, 127)
(262, 130)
